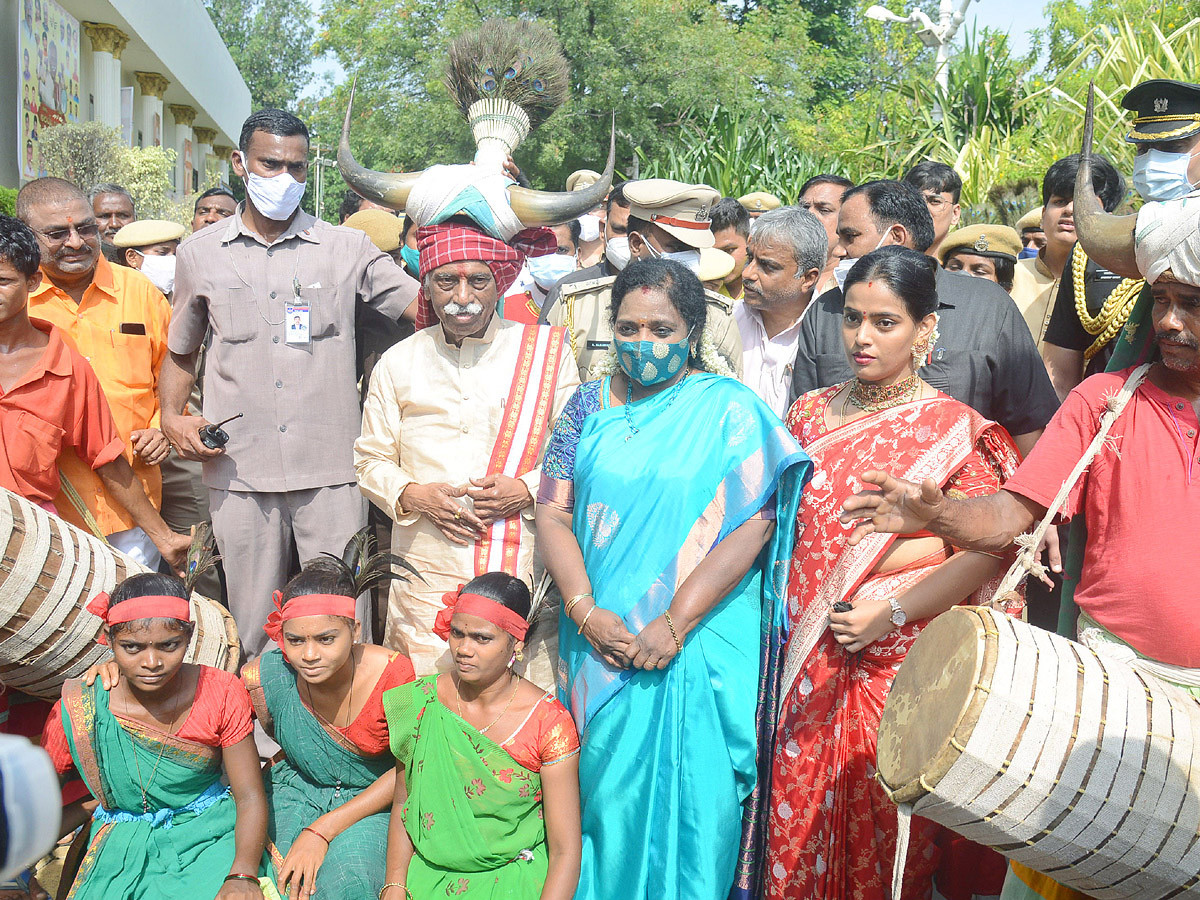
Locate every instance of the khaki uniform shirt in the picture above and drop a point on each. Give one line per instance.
(1034, 291)
(583, 310)
(300, 400)
(432, 414)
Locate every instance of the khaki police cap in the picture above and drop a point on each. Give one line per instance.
(379, 225)
(1031, 221)
(715, 265)
(682, 210)
(1165, 110)
(997, 241)
(760, 202)
(582, 178)
(145, 232)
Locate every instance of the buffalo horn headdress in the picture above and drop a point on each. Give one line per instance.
(1107, 239)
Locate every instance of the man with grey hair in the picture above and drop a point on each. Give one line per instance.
(784, 260)
(113, 208)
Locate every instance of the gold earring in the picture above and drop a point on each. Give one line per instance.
(520, 655)
(919, 352)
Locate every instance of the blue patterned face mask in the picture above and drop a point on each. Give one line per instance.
(652, 362)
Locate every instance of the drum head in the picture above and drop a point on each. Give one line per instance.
(931, 702)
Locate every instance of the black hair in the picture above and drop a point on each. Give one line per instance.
(910, 275)
(279, 122)
(616, 194)
(896, 203)
(728, 213)
(1006, 266)
(511, 593)
(409, 222)
(19, 246)
(931, 175)
(321, 576)
(219, 191)
(350, 204)
(674, 279)
(575, 230)
(1107, 182)
(825, 178)
(150, 584)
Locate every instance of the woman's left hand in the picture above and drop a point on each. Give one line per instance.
(654, 647)
(240, 889)
(298, 874)
(862, 626)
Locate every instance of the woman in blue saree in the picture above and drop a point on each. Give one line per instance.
(655, 517)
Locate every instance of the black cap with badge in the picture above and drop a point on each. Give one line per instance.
(1166, 111)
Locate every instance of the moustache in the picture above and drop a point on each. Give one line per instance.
(1161, 338)
(473, 308)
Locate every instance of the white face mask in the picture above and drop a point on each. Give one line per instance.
(688, 258)
(548, 270)
(276, 197)
(617, 251)
(842, 269)
(589, 228)
(160, 270)
(1159, 175)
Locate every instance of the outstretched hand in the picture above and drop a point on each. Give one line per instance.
(898, 507)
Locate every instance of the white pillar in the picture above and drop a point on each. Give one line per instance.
(150, 105)
(184, 116)
(203, 150)
(107, 43)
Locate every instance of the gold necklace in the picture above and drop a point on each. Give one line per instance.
(162, 750)
(871, 397)
(1113, 314)
(511, 698)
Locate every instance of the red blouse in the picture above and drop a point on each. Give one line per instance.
(220, 717)
(368, 732)
(547, 736)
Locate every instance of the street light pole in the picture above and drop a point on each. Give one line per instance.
(938, 37)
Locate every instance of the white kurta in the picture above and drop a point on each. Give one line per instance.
(767, 362)
(432, 414)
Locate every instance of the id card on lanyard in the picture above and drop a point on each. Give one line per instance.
(296, 319)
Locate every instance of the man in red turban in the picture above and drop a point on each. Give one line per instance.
(454, 425)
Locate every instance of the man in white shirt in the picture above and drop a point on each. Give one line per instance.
(784, 260)
(453, 430)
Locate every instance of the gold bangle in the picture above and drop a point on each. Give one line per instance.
(587, 616)
(674, 633)
(403, 887)
(570, 605)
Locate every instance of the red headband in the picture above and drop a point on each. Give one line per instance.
(483, 607)
(155, 606)
(306, 605)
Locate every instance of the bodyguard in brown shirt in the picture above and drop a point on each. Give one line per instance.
(278, 288)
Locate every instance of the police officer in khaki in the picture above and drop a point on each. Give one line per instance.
(759, 202)
(666, 219)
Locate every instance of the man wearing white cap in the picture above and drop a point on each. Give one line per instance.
(666, 219)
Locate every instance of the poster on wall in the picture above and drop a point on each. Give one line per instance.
(49, 62)
(188, 186)
(127, 116)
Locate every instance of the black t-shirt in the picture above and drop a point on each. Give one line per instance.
(985, 356)
(1065, 330)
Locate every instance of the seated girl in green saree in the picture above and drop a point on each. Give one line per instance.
(152, 750)
(320, 695)
(487, 786)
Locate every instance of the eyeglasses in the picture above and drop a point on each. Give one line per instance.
(60, 235)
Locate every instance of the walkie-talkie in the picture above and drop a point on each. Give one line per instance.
(213, 436)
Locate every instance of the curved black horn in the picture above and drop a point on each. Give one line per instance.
(1106, 239)
(556, 207)
(385, 188)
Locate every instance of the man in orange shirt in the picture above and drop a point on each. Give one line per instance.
(50, 399)
(118, 321)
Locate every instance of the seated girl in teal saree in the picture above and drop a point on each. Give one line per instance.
(487, 791)
(320, 695)
(655, 518)
(152, 750)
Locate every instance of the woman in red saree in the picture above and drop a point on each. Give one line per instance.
(855, 611)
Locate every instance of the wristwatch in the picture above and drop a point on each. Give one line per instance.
(899, 616)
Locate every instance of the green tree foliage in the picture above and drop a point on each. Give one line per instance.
(271, 43)
(8, 201)
(656, 64)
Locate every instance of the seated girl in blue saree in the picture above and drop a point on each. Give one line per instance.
(655, 517)
(152, 750)
(320, 695)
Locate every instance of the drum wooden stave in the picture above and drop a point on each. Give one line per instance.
(1075, 765)
(49, 570)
